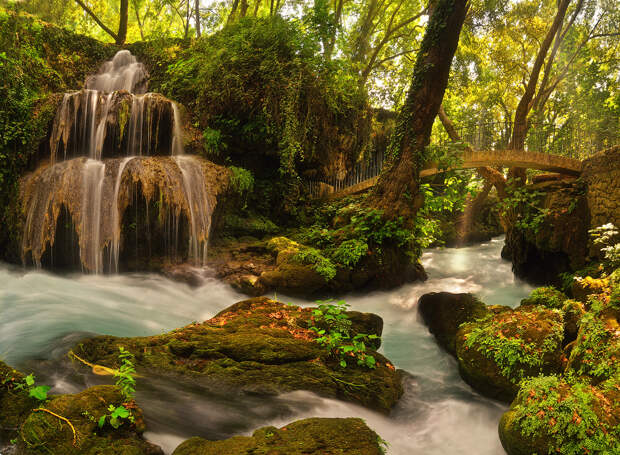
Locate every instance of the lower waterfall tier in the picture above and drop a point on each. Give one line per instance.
(96, 215)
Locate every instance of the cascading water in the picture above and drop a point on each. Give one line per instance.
(112, 122)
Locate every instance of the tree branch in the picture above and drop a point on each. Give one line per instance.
(97, 20)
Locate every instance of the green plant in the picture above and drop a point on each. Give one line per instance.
(606, 236)
(117, 416)
(28, 384)
(320, 264)
(569, 416)
(333, 326)
(125, 374)
(241, 180)
(522, 205)
(547, 296)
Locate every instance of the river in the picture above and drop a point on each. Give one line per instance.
(42, 315)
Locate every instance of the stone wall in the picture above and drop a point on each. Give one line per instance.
(602, 175)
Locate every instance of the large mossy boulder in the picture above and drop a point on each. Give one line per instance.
(547, 296)
(47, 430)
(304, 437)
(444, 312)
(595, 356)
(497, 352)
(256, 346)
(551, 415)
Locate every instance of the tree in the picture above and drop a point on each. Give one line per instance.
(123, 20)
(397, 192)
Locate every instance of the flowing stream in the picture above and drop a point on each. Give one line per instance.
(42, 315)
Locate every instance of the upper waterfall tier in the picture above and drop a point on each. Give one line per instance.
(123, 72)
(99, 125)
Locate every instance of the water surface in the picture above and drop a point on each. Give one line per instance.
(42, 315)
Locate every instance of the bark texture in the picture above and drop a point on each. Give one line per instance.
(397, 192)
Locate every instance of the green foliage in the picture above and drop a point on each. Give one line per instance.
(125, 373)
(333, 326)
(567, 415)
(117, 416)
(548, 297)
(596, 352)
(345, 233)
(522, 204)
(320, 264)
(38, 392)
(504, 339)
(241, 180)
(260, 87)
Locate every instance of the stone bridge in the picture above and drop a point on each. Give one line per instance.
(473, 159)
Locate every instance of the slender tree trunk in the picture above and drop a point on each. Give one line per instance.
(243, 8)
(493, 176)
(140, 27)
(197, 13)
(256, 6)
(122, 23)
(520, 126)
(97, 20)
(397, 192)
(233, 12)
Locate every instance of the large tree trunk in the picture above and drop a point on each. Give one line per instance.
(121, 36)
(197, 15)
(520, 126)
(397, 192)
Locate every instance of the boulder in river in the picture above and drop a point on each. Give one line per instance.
(497, 352)
(551, 415)
(444, 312)
(257, 346)
(313, 436)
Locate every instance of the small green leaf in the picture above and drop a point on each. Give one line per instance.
(101, 421)
(39, 392)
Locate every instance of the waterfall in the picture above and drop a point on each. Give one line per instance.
(90, 245)
(116, 221)
(108, 145)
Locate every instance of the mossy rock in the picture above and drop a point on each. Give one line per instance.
(551, 416)
(583, 288)
(45, 433)
(255, 346)
(15, 404)
(292, 277)
(444, 312)
(548, 297)
(304, 437)
(595, 356)
(497, 352)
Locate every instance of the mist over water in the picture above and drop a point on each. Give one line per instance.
(43, 315)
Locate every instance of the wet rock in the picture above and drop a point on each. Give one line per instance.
(308, 437)
(257, 346)
(550, 415)
(497, 352)
(47, 432)
(444, 312)
(560, 243)
(186, 273)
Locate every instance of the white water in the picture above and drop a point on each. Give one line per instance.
(43, 315)
(123, 72)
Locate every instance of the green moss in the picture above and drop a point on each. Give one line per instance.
(548, 297)
(552, 416)
(259, 346)
(596, 353)
(303, 437)
(496, 353)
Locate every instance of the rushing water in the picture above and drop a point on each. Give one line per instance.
(42, 315)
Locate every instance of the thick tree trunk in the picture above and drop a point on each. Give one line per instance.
(520, 125)
(397, 192)
(121, 36)
(197, 15)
